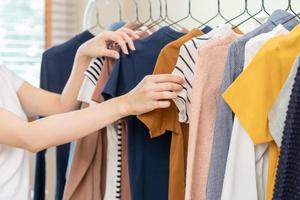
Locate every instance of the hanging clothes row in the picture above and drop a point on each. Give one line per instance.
(220, 138)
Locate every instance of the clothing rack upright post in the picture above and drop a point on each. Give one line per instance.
(87, 14)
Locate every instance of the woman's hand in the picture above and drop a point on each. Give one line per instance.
(153, 92)
(97, 46)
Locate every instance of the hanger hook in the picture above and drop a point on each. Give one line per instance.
(120, 9)
(160, 9)
(150, 8)
(219, 6)
(291, 8)
(264, 8)
(97, 11)
(190, 7)
(136, 11)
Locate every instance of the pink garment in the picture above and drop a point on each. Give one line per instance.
(205, 94)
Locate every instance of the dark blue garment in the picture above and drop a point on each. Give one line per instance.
(287, 185)
(56, 67)
(148, 159)
(206, 29)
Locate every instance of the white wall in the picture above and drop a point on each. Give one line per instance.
(177, 9)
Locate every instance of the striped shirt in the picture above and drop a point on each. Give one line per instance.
(94, 70)
(91, 77)
(114, 132)
(185, 68)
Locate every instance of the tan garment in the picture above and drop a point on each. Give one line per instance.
(84, 181)
(162, 120)
(125, 184)
(205, 94)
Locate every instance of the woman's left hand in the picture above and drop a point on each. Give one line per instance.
(97, 46)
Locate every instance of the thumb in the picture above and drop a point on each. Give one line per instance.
(111, 54)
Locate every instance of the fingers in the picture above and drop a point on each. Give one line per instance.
(168, 86)
(123, 37)
(162, 104)
(166, 95)
(131, 33)
(113, 36)
(161, 78)
(110, 54)
(122, 44)
(129, 41)
(128, 36)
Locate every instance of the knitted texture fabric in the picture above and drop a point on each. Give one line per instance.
(287, 186)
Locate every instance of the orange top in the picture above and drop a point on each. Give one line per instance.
(161, 120)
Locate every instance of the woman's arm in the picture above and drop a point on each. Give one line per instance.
(36, 101)
(153, 92)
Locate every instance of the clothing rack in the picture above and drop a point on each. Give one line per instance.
(215, 148)
(164, 17)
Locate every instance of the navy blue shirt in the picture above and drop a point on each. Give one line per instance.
(57, 63)
(148, 159)
(287, 185)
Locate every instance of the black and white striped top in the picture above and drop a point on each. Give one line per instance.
(185, 68)
(90, 80)
(119, 160)
(92, 75)
(94, 70)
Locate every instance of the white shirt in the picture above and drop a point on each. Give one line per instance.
(247, 165)
(14, 162)
(278, 113)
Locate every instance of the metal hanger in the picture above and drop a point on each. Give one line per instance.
(188, 16)
(164, 19)
(168, 20)
(296, 16)
(150, 18)
(120, 10)
(219, 13)
(98, 23)
(157, 21)
(137, 16)
(153, 22)
(263, 9)
(246, 11)
(290, 8)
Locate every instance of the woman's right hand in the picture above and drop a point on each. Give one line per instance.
(153, 92)
(97, 46)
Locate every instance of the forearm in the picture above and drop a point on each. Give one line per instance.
(38, 102)
(153, 92)
(61, 128)
(68, 99)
